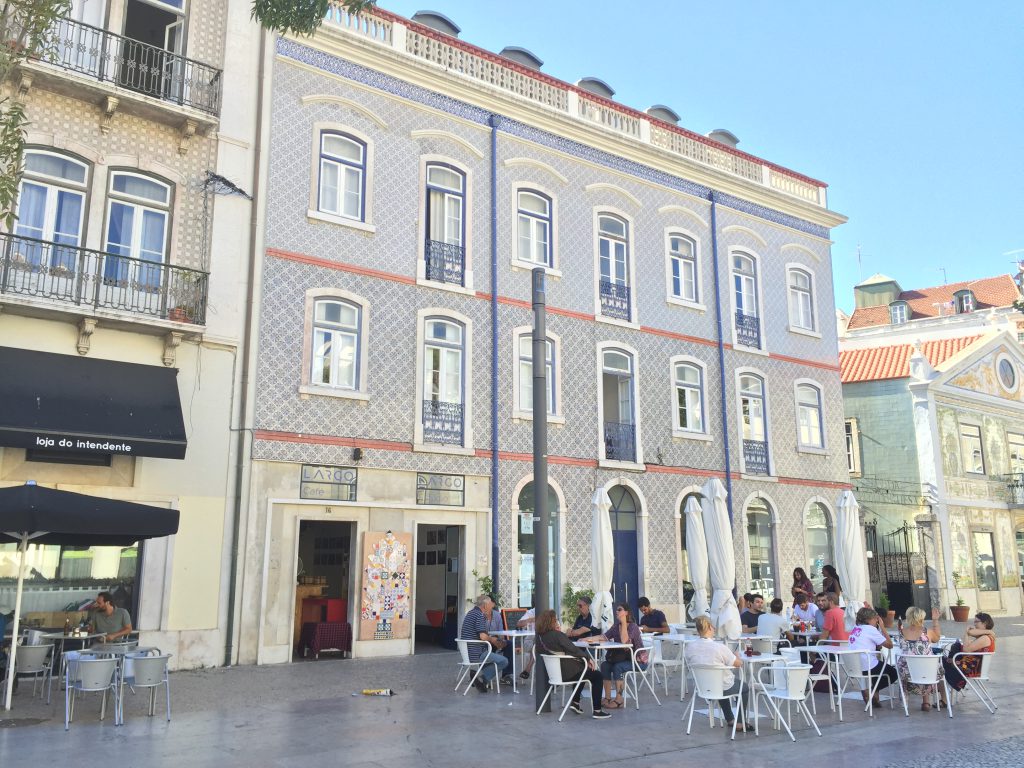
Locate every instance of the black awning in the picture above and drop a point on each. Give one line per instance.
(69, 403)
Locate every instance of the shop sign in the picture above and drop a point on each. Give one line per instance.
(443, 490)
(322, 481)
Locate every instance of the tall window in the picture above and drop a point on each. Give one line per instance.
(137, 219)
(613, 257)
(899, 313)
(808, 403)
(525, 348)
(801, 300)
(342, 176)
(744, 278)
(689, 387)
(752, 424)
(683, 263)
(51, 201)
(818, 537)
(852, 446)
(985, 561)
(446, 226)
(1015, 444)
(761, 546)
(443, 361)
(525, 572)
(336, 331)
(534, 224)
(617, 402)
(970, 447)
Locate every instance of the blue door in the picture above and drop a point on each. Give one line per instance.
(626, 581)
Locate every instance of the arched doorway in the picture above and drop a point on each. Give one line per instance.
(525, 583)
(761, 549)
(818, 540)
(626, 581)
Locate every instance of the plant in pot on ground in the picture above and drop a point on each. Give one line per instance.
(960, 611)
(888, 616)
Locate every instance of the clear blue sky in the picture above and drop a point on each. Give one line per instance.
(912, 111)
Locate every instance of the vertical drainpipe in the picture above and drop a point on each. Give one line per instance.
(494, 350)
(721, 352)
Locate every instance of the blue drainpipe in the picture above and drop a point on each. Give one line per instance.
(721, 353)
(494, 350)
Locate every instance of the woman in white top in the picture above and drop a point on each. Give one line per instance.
(706, 651)
(869, 635)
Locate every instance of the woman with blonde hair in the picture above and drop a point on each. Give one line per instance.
(915, 640)
(707, 651)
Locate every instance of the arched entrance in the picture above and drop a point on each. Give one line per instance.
(818, 539)
(626, 581)
(525, 585)
(761, 548)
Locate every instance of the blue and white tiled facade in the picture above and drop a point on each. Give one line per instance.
(405, 122)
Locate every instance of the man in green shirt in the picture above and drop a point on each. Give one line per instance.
(108, 620)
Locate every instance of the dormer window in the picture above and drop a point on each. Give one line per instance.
(899, 312)
(963, 302)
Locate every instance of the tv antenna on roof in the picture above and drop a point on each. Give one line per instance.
(945, 280)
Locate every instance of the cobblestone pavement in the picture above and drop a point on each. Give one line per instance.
(304, 714)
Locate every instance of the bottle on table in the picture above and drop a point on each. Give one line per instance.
(67, 625)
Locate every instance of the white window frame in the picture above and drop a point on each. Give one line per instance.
(773, 555)
(852, 433)
(812, 299)
(557, 416)
(638, 464)
(54, 185)
(964, 302)
(1017, 372)
(758, 293)
(550, 268)
(307, 386)
(365, 224)
(738, 374)
(1015, 439)
(598, 212)
(140, 205)
(670, 296)
(899, 312)
(798, 409)
(677, 431)
(981, 447)
(467, 226)
(443, 313)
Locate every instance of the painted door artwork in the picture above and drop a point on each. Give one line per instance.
(387, 583)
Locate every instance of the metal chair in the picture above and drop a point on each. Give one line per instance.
(709, 684)
(553, 666)
(924, 670)
(143, 670)
(466, 665)
(790, 683)
(85, 674)
(35, 661)
(658, 660)
(640, 673)
(977, 682)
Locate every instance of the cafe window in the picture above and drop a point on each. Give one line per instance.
(525, 526)
(985, 561)
(818, 539)
(761, 546)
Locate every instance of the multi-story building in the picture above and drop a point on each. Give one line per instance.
(411, 182)
(120, 309)
(934, 406)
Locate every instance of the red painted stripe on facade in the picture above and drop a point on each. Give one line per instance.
(666, 470)
(351, 442)
(679, 336)
(800, 361)
(317, 262)
(815, 483)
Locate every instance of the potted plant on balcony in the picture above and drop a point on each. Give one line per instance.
(960, 611)
(186, 297)
(888, 615)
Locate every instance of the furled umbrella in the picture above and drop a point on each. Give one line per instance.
(31, 513)
(721, 560)
(850, 562)
(602, 558)
(697, 557)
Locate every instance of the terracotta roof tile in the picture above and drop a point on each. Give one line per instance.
(998, 291)
(879, 363)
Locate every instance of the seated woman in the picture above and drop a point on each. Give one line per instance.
(914, 640)
(869, 635)
(552, 640)
(978, 638)
(707, 650)
(618, 661)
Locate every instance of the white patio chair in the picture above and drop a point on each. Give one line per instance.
(924, 670)
(553, 666)
(143, 670)
(823, 674)
(709, 684)
(35, 661)
(865, 680)
(790, 683)
(667, 665)
(476, 667)
(977, 683)
(85, 674)
(632, 680)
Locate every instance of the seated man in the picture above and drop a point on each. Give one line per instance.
(755, 607)
(111, 622)
(653, 620)
(821, 602)
(584, 625)
(834, 625)
(774, 624)
(806, 612)
(474, 627)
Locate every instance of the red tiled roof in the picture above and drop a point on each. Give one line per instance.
(999, 291)
(878, 363)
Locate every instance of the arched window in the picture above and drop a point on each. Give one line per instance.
(617, 402)
(525, 373)
(753, 424)
(761, 548)
(745, 290)
(613, 258)
(337, 327)
(899, 312)
(963, 301)
(443, 389)
(445, 251)
(534, 227)
(138, 212)
(801, 300)
(809, 423)
(342, 182)
(51, 203)
(689, 387)
(683, 268)
(818, 538)
(526, 543)
(624, 512)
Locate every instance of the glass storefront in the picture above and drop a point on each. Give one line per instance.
(524, 529)
(818, 538)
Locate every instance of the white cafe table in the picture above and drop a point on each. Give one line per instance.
(751, 666)
(513, 635)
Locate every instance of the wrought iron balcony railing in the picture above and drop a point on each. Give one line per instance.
(748, 330)
(619, 441)
(81, 277)
(129, 63)
(755, 457)
(1015, 485)
(442, 422)
(614, 300)
(446, 262)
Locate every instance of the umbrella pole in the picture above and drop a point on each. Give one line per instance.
(17, 619)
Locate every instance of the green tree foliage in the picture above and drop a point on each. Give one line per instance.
(300, 17)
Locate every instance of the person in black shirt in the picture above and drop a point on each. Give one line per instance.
(754, 609)
(574, 662)
(584, 626)
(653, 620)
